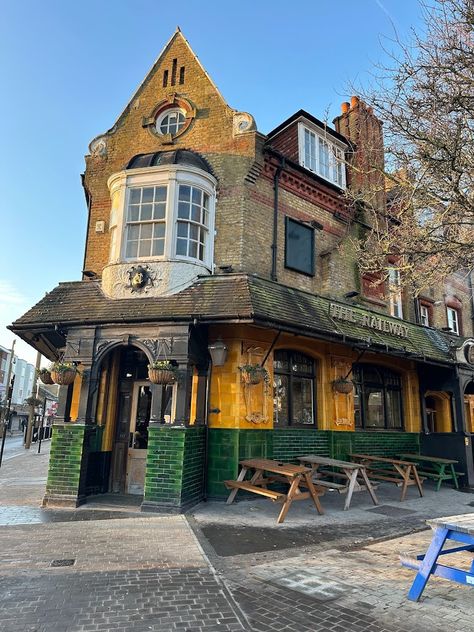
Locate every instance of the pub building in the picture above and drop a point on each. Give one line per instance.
(219, 250)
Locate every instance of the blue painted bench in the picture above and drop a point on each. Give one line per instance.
(457, 528)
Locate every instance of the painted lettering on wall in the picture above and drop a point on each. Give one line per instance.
(371, 321)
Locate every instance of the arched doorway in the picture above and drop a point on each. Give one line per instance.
(127, 403)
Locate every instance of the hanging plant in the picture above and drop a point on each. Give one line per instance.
(63, 373)
(343, 385)
(44, 375)
(254, 374)
(162, 372)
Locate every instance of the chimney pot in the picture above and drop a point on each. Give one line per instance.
(354, 101)
(345, 107)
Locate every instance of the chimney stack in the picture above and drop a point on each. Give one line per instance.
(358, 123)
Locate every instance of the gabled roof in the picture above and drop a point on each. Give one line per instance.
(231, 298)
(177, 34)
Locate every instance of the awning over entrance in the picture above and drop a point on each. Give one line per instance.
(233, 298)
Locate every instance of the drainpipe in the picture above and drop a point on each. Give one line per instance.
(276, 179)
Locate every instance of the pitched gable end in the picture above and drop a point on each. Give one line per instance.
(174, 71)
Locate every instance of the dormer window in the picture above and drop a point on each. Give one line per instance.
(322, 154)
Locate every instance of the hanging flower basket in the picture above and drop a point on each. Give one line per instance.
(63, 373)
(342, 385)
(45, 376)
(161, 372)
(253, 374)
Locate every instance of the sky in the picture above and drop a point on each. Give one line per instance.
(67, 70)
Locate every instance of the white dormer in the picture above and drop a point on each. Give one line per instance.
(322, 153)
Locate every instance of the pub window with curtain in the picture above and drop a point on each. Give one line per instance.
(299, 247)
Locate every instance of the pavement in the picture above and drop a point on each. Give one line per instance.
(106, 566)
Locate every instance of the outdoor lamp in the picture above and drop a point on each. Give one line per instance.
(218, 352)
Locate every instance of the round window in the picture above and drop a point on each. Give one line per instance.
(171, 122)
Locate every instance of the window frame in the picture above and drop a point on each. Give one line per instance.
(171, 176)
(167, 112)
(290, 375)
(395, 297)
(424, 315)
(289, 220)
(336, 155)
(457, 320)
(361, 385)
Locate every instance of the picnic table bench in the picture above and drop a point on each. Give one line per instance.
(434, 467)
(267, 471)
(350, 471)
(457, 528)
(381, 468)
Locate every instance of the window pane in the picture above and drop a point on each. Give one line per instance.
(135, 196)
(145, 248)
(280, 399)
(302, 364)
(158, 247)
(194, 232)
(281, 361)
(183, 210)
(133, 213)
(374, 409)
(159, 230)
(160, 194)
(184, 192)
(192, 249)
(147, 195)
(201, 252)
(299, 247)
(146, 231)
(357, 408)
(182, 229)
(133, 233)
(146, 210)
(159, 211)
(181, 247)
(394, 409)
(196, 213)
(302, 400)
(205, 201)
(132, 249)
(197, 196)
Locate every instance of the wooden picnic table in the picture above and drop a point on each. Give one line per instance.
(293, 475)
(350, 472)
(435, 467)
(401, 471)
(457, 528)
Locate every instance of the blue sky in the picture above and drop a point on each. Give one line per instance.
(67, 69)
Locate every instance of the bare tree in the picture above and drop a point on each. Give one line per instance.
(426, 103)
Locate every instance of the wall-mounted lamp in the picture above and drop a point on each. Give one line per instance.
(218, 352)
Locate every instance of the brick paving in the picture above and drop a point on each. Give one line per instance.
(143, 572)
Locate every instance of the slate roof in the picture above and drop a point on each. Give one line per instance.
(233, 297)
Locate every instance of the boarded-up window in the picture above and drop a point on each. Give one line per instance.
(299, 247)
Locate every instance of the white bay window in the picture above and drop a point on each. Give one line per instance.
(162, 213)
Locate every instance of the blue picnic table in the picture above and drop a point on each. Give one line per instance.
(457, 528)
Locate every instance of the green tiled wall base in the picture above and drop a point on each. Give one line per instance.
(174, 467)
(67, 465)
(226, 447)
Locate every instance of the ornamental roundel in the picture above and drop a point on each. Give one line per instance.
(170, 118)
(469, 353)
